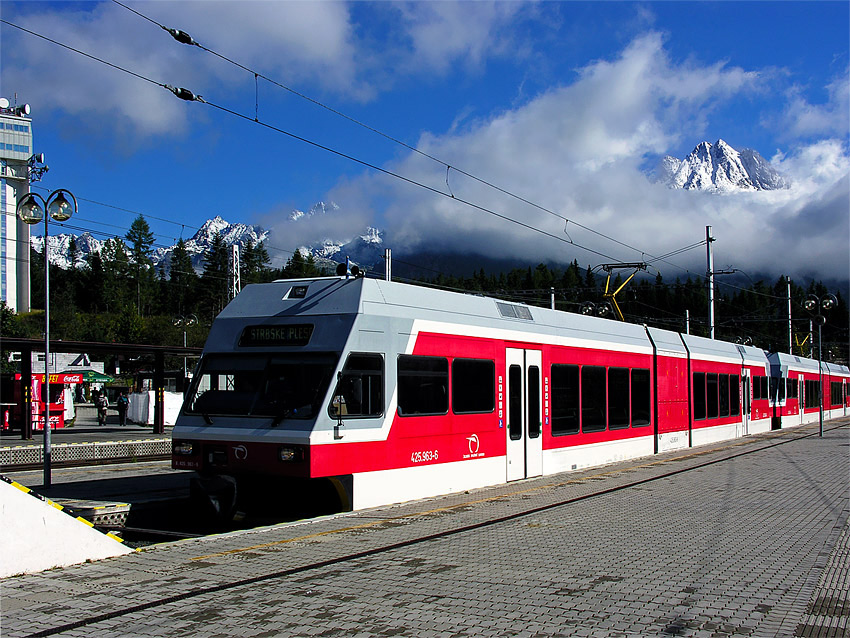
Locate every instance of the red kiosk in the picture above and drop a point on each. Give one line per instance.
(56, 402)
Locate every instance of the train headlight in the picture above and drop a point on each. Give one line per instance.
(184, 448)
(290, 453)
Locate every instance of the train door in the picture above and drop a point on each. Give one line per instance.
(746, 404)
(524, 429)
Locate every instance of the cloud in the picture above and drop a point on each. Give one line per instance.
(298, 40)
(437, 34)
(801, 119)
(578, 151)
(318, 45)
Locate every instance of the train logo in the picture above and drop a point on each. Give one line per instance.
(474, 446)
(240, 452)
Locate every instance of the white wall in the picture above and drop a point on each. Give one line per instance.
(36, 536)
(142, 404)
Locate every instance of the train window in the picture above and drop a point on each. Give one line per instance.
(640, 397)
(723, 380)
(359, 390)
(734, 395)
(423, 385)
(261, 385)
(699, 395)
(565, 399)
(473, 386)
(534, 424)
(835, 393)
(593, 412)
(515, 402)
(812, 389)
(711, 405)
(764, 387)
(792, 388)
(618, 398)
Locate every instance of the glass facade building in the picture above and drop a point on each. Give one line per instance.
(15, 152)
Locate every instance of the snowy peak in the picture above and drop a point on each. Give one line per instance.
(763, 175)
(720, 168)
(319, 208)
(372, 236)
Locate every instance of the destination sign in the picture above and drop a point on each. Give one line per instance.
(294, 335)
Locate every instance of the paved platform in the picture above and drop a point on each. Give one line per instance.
(85, 440)
(747, 538)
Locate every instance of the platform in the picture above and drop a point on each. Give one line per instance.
(745, 538)
(85, 441)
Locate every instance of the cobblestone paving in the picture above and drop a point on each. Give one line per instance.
(755, 545)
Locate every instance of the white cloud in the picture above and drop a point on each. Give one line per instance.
(312, 44)
(441, 33)
(578, 150)
(801, 119)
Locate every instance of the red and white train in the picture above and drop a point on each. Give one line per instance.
(391, 392)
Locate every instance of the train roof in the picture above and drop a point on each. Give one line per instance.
(712, 349)
(785, 362)
(293, 298)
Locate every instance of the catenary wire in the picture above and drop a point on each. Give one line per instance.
(325, 148)
(183, 37)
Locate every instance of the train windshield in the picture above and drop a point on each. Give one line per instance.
(262, 385)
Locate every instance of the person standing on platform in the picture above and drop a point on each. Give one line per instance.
(102, 404)
(122, 404)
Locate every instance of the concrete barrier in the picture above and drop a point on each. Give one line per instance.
(37, 534)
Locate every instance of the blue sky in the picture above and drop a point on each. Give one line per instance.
(567, 104)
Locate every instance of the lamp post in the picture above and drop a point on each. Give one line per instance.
(184, 321)
(814, 303)
(31, 209)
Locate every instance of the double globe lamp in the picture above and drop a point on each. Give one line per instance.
(813, 303)
(31, 209)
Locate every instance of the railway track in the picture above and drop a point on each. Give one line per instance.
(79, 463)
(671, 466)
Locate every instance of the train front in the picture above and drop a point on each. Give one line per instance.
(259, 390)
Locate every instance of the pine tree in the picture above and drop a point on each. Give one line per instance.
(141, 250)
(214, 278)
(116, 275)
(182, 281)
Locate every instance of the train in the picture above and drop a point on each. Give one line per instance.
(381, 392)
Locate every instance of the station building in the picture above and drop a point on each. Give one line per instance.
(15, 157)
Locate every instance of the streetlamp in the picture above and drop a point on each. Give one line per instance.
(184, 321)
(31, 210)
(814, 303)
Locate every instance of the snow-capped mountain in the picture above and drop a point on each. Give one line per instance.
(720, 168)
(201, 241)
(319, 208)
(365, 249)
(59, 248)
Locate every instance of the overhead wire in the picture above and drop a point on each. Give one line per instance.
(184, 38)
(189, 96)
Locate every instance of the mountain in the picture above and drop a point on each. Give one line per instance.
(719, 168)
(713, 167)
(196, 246)
(364, 249)
(201, 241)
(59, 248)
